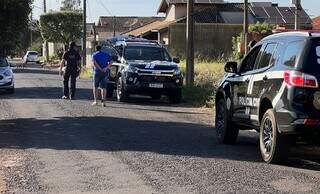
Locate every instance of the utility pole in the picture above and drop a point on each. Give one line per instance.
(94, 35)
(84, 40)
(46, 43)
(31, 28)
(245, 26)
(298, 7)
(114, 26)
(190, 44)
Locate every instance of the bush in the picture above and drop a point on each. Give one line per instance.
(207, 77)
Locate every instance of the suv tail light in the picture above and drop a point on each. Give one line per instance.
(299, 79)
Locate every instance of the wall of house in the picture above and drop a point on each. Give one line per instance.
(212, 41)
(178, 11)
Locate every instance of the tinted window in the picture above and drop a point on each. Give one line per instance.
(32, 53)
(250, 60)
(3, 63)
(312, 63)
(146, 53)
(267, 58)
(291, 53)
(109, 51)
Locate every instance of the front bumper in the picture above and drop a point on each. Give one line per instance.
(6, 85)
(137, 84)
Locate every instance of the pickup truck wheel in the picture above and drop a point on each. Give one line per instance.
(226, 132)
(175, 97)
(122, 94)
(274, 146)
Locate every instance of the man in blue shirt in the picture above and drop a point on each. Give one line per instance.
(102, 63)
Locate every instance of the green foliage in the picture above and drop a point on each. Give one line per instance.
(236, 42)
(14, 22)
(61, 27)
(36, 45)
(54, 57)
(70, 5)
(263, 29)
(207, 78)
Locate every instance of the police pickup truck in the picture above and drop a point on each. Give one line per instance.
(275, 90)
(143, 67)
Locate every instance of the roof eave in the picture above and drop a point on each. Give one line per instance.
(162, 7)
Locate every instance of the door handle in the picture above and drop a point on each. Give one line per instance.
(265, 78)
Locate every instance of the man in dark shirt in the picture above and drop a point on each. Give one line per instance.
(71, 62)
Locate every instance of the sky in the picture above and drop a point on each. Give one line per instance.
(96, 8)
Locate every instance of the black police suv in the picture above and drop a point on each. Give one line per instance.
(275, 90)
(143, 67)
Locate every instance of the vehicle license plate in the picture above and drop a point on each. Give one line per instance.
(155, 85)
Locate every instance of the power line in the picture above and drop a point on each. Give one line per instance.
(89, 9)
(102, 4)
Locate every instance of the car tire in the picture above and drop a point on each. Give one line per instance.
(175, 97)
(122, 93)
(11, 91)
(226, 132)
(274, 147)
(110, 91)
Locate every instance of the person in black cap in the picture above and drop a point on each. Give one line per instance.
(71, 64)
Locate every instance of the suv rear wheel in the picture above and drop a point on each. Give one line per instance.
(122, 94)
(10, 91)
(274, 146)
(226, 132)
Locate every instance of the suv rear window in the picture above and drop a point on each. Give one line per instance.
(312, 64)
(292, 52)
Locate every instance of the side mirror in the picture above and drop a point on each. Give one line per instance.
(176, 60)
(231, 67)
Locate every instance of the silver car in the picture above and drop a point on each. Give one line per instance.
(6, 76)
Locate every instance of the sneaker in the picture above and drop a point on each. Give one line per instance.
(65, 97)
(95, 103)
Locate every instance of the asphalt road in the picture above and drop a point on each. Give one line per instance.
(49, 145)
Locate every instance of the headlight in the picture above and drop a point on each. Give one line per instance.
(7, 73)
(131, 69)
(177, 72)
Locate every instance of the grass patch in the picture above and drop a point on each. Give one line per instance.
(207, 77)
(86, 73)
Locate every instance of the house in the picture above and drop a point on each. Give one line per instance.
(109, 26)
(216, 22)
(316, 23)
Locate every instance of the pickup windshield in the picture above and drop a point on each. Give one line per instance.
(3, 63)
(146, 53)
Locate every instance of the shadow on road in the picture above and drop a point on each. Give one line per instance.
(35, 71)
(118, 134)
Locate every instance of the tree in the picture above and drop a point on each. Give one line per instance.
(61, 27)
(70, 5)
(261, 29)
(14, 18)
